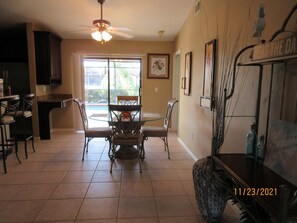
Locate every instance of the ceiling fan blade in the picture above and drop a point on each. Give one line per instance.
(82, 28)
(78, 30)
(120, 28)
(87, 26)
(125, 35)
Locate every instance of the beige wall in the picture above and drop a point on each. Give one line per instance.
(224, 21)
(72, 49)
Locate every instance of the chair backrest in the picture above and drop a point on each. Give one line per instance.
(168, 113)
(10, 106)
(125, 120)
(82, 109)
(28, 102)
(127, 100)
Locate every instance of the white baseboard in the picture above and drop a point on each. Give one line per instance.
(187, 149)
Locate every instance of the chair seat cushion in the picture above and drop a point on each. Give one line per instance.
(98, 132)
(7, 119)
(154, 131)
(26, 114)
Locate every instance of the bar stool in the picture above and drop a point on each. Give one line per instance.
(9, 106)
(22, 132)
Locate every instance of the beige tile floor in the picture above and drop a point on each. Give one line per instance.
(54, 185)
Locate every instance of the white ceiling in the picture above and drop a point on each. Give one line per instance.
(70, 18)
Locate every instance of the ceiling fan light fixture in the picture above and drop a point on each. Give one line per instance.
(103, 28)
(96, 36)
(106, 36)
(101, 36)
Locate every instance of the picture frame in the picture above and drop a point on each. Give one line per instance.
(158, 66)
(186, 80)
(207, 99)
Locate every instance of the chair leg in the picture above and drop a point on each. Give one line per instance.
(25, 136)
(3, 150)
(26, 152)
(166, 146)
(33, 144)
(5, 137)
(139, 157)
(111, 164)
(84, 150)
(109, 149)
(113, 157)
(87, 147)
(141, 153)
(17, 150)
(142, 149)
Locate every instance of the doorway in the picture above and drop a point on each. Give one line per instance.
(175, 90)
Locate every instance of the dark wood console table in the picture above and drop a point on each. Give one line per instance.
(45, 105)
(254, 180)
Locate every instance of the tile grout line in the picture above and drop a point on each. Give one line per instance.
(84, 198)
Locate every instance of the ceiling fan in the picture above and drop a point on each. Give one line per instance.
(103, 28)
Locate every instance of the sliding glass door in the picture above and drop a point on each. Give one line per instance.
(125, 78)
(105, 78)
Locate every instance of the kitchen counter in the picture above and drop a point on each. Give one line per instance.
(54, 98)
(45, 104)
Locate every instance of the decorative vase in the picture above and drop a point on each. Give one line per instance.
(250, 141)
(260, 150)
(211, 197)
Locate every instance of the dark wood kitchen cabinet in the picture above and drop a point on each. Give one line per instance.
(48, 58)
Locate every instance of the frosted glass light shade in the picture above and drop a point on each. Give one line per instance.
(101, 36)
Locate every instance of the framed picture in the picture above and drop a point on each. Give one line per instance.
(207, 99)
(186, 80)
(158, 66)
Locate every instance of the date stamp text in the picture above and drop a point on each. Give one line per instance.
(252, 191)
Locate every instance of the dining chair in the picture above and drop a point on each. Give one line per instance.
(159, 131)
(127, 100)
(90, 133)
(9, 108)
(23, 131)
(125, 122)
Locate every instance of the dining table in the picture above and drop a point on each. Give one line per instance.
(127, 152)
(145, 117)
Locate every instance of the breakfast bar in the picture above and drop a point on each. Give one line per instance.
(45, 105)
